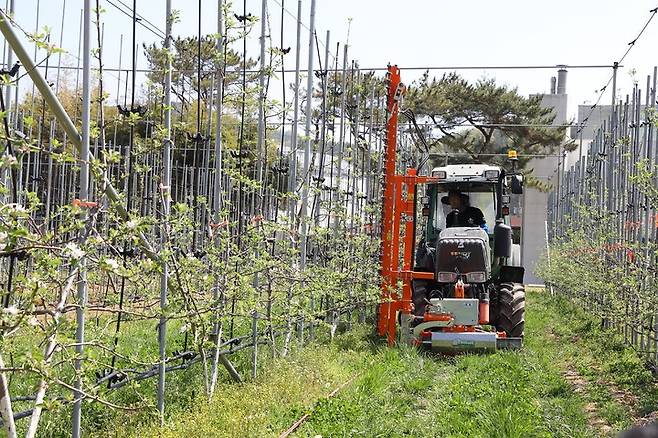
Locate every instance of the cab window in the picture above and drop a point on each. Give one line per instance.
(481, 196)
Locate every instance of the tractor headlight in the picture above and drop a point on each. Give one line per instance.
(476, 277)
(447, 277)
(491, 174)
(440, 174)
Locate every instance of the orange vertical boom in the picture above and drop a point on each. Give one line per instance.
(397, 207)
(388, 264)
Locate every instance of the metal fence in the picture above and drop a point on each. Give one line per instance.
(225, 221)
(603, 222)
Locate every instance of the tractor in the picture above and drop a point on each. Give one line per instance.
(478, 279)
(458, 284)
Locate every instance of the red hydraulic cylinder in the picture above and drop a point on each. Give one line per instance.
(484, 312)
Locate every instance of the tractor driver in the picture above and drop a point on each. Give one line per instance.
(463, 214)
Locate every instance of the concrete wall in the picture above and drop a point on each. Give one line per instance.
(534, 219)
(594, 120)
(535, 202)
(558, 102)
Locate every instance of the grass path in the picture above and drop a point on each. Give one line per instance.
(507, 394)
(564, 383)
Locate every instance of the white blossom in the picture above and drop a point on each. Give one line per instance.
(73, 251)
(111, 264)
(131, 224)
(16, 208)
(11, 310)
(8, 161)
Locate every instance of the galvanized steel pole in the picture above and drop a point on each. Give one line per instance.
(10, 61)
(84, 195)
(306, 181)
(166, 208)
(6, 174)
(292, 180)
(307, 132)
(261, 149)
(341, 146)
(217, 186)
(317, 199)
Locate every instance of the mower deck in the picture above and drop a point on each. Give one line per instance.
(460, 342)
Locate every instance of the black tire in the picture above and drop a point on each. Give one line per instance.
(420, 295)
(509, 311)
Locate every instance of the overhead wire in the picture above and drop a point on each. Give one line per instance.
(141, 20)
(39, 64)
(144, 19)
(375, 69)
(411, 116)
(302, 24)
(616, 65)
(152, 28)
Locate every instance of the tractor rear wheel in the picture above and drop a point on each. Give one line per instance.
(510, 309)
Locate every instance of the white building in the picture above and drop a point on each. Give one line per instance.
(535, 202)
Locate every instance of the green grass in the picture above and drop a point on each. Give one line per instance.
(506, 394)
(138, 340)
(283, 391)
(398, 391)
(602, 359)
(387, 392)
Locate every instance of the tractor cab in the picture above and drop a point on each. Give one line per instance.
(478, 188)
(471, 196)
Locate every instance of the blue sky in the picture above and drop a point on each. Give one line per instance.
(418, 33)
